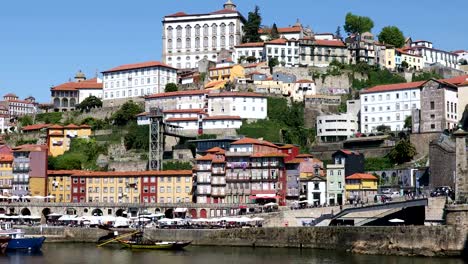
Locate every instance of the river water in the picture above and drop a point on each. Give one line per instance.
(58, 253)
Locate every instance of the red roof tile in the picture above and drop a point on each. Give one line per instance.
(235, 94)
(269, 155)
(304, 81)
(287, 146)
(456, 80)
(143, 114)
(393, 87)
(250, 44)
(222, 118)
(280, 41)
(35, 127)
(10, 95)
(224, 11)
(214, 83)
(361, 176)
(131, 173)
(214, 150)
(178, 14)
(179, 93)
(330, 43)
(254, 142)
(253, 65)
(207, 157)
(56, 133)
(85, 126)
(71, 126)
(6, 158)
(30, 148)
(181, 119)
(72, 86)
(62, 172)
(55, 127)
(139, 66)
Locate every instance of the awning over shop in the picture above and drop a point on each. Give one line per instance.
(180, 210)
(264, 196)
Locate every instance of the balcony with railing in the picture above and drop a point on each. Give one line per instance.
(293, 192)
(218, 171)
(264, 178)
(203, 167)
(218, 193)
(201, 191)
(21, 169)
(201, 180)
(216, 181)
(237, 178)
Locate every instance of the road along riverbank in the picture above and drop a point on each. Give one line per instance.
(401, 241)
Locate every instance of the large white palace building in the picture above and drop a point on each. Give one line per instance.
(188, 38)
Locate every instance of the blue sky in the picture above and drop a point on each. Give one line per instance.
(44, 43)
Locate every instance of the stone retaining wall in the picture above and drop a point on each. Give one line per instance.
(404, 241)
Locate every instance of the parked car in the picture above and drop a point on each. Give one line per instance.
(382, 198)
(443, 191)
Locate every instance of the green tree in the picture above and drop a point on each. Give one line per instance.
(392, 35)
(126, 113)
(274, 33)
(272, 62)
(425, 76)
(383, 128)
(338, 33)
(376, 164)
(89, 103)
(403, 151)
(96, 124)
(404, 65)
(26, 120)
(408, 122)
(252, 26)
(170, 87)
(137, 137)
(357, 24)
(251, 59)
(177, 165)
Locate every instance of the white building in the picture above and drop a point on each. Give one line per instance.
(17, 107)
(301, 89)
(243, 104)
(188, 38)
(285, 50)
(462, 55)
(316, 191)
(246, 50)
(294, 32)
(4, 121)
(389, 105)
(431, 55)
(139, 79)
(334, 128)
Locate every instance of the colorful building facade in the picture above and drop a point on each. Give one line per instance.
(6, 173)
(361, 187)
(59, 137)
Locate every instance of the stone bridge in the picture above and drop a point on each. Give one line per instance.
(118, 209)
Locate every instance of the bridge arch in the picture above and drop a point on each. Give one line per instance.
(46, 212)
(97, 212)
(120, 212)
(2, 211)
(169, 213)
(158, 210)
(11, 210)
(25, 211)
(70, 211)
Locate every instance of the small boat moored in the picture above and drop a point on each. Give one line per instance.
(17, 241)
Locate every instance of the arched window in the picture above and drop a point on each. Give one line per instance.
(214, 29)
(231, 40)
(169, 32)
(197, 30)
(187, 43)
(169, 44)
(231, 28)
(179, 43)
(197, 43)
(179, 31)
(223, 29)
(214, 42)
(188, 31)
(205, 30)
(205, 42)
(223, 41)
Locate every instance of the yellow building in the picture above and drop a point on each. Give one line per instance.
(37, 186)
(415, 62)
(390, 58)
(6, 173)
(219, 76)
(175, 186)
(59, 185)
(59, 137)
(361, 187)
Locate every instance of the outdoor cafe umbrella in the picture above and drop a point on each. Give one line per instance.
(271, 204)
(50, 197)
(38, 197)
(26, 197)
(396, 220)
(3, 197)
(13, 197)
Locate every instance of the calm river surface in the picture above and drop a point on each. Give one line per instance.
(88, 253)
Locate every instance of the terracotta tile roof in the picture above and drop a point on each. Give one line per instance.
(281, 30)
(143, 114)
(304, 81)
(139, 66)
(235, 94)
(269, 155)
(62, 172)
(361, 176)
(131, 173)
(294, 161)
(222, 118)
(250, 44)
(56, 133)
(181, 119)
(349, 152)
(456, 80)
(6, 158)
(287, 146)
(218, 12)
(405, 51)
(254, 142)
(35, 127)
(207, 157)
(178, 14)
(85, 126)
(10, 95)
(214, 150)
(214, 84)
(30, 148)
(71, 126)
(72, 86)
(224, 11)
(393, 87)
(329, 43)
(280, 41)
(176, 111)
(178, 93)
(55, 127)
(253, 65)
